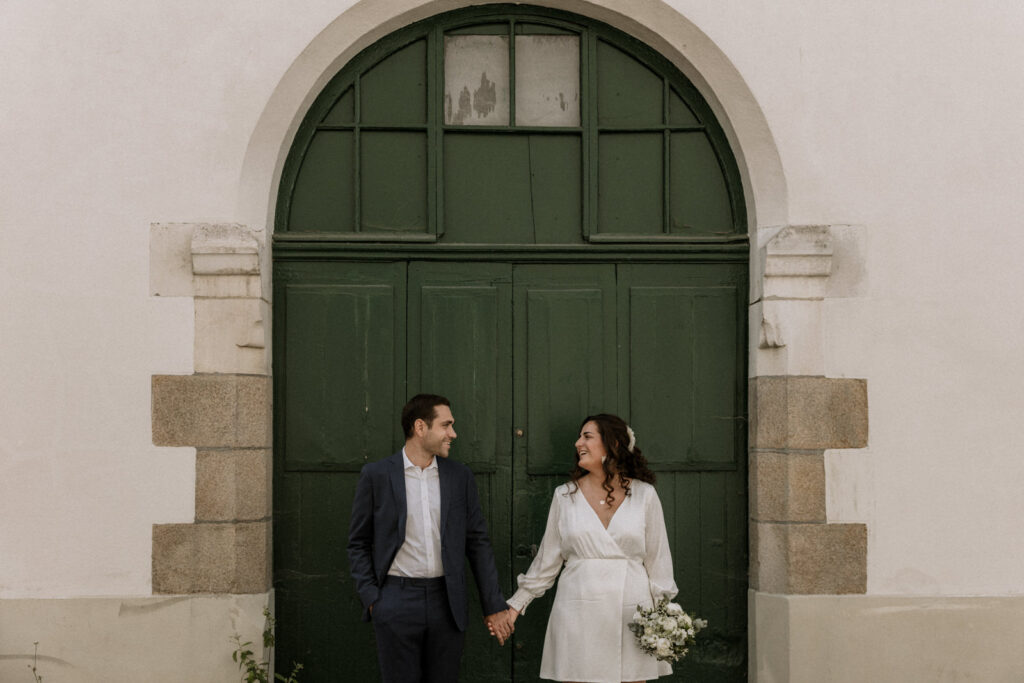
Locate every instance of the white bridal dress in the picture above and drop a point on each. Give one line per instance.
(607, 573)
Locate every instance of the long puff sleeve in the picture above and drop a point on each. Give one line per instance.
(545, 566)
(657, 557)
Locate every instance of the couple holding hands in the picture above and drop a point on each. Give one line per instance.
(416, 518)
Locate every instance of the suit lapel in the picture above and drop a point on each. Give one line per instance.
(444, 476)
(397, 475)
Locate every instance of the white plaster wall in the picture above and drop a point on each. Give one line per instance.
(899, 118)
(815, 638)
(130, 640)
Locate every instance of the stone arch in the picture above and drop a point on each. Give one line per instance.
(651, 21)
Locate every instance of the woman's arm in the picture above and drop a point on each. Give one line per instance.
(658, 558)
(545, 566)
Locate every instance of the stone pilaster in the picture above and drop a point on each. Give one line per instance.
(796, 414)
(212, 557)
(224, 410)
(792, 547)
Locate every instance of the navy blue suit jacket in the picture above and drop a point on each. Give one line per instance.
(377, 530)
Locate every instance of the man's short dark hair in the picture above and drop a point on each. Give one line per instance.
(421, 407)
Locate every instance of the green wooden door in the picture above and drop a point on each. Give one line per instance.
(524, 351)
(339, 363)
(538, 216)
(662, 346)
(460, 346)
(358, 338)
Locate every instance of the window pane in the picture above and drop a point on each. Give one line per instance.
(628, 93)
(512, 188)
(699, 196)
(324, 189)
(679, 114)
(341, 112)
(393, 191)
(630, 183)
(395, 90)
(476, 80)
(547, 80)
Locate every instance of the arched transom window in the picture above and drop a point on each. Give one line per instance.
(511, 125)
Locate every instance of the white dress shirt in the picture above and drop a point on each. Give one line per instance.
(420, 554)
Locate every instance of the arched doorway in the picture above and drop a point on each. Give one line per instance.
(539, 217)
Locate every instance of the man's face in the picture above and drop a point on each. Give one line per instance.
(438, 436)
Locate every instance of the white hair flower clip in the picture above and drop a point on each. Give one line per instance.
(632, 439)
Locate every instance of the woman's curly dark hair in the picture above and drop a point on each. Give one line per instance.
(620, 460)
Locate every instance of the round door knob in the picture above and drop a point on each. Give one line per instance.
(519, 432)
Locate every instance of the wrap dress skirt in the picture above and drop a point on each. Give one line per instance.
(605, 575)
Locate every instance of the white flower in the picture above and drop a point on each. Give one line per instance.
(665, 629)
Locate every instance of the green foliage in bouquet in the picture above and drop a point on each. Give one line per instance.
(665, 631)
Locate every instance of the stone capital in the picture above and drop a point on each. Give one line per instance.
(797, 261)
(224, 249)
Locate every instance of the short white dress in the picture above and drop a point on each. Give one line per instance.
(607, 573)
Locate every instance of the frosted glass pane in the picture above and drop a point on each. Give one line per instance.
(547, 80)
(476, 80)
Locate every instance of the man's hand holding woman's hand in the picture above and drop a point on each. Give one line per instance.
(501, 624)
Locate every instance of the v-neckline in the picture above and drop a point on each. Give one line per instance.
(593, 511)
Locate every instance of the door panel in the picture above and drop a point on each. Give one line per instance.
(460, 346)
(565, 356)
(680, 345)
(564, 368)
(333, 325)
(339, 375)
(682, 332)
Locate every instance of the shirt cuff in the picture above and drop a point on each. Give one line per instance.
(520, 601)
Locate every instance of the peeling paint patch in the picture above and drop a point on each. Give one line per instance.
(484, 97)
(476, 78)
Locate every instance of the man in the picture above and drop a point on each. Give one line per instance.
(415, 517)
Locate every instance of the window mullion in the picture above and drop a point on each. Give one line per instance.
(666, 163)
(435, 115)
(588, 79)
(357, 177)
(512, 73)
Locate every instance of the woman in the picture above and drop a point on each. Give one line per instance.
(606, 525)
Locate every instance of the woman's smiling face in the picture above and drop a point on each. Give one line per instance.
(590, 447)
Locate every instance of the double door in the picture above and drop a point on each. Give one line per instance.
(524, 351)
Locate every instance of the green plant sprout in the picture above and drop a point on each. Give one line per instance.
(254, 671)
(35, 661)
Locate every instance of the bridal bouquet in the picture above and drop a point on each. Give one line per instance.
(665, 631)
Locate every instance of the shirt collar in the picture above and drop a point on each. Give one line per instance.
(409, 463)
